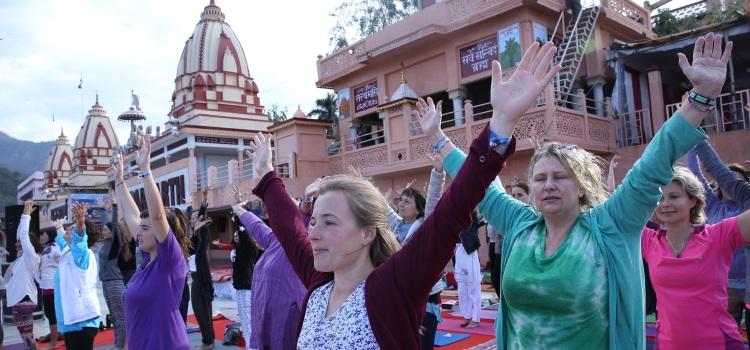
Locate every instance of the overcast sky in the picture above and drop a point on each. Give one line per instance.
(118, 45)
(121, 45)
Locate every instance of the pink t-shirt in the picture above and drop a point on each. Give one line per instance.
(691, 291)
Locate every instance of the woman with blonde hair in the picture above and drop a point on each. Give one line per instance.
(363, 291)
(571, 266)
(688, 263)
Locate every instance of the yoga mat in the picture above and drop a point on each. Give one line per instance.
(443, 338)
(452, 325)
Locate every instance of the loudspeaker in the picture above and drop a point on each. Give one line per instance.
(12, 218)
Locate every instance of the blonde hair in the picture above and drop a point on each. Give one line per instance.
(369, 208)
(584, 167)
(694, 189)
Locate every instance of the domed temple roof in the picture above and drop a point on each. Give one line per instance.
(59, 162)
(212, 73)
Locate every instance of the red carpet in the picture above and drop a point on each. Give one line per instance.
(107, 337)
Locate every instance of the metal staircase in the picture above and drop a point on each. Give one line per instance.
(571, 50)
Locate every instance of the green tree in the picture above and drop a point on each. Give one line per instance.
(665, 23)
(326, 109)
(512, 53)
(9, 180)
(276, 114)
(366, 17)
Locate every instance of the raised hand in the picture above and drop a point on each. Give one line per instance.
(59, 223)
(143, 155)
(313, 188)
(201, 224)
(430, 116)
(437, 162)
(79, 216)
(260, 154)
(117, 168)
(747, 107)
(239, 209)
(510, 99)
(709, 69)
(28, 207)
(614, 162)
(237, 194)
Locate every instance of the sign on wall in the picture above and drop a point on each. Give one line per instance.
(478, 58)
(344, 103)
(510, 45)
(540, 33)
(365, 96)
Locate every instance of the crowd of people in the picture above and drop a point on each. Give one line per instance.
(343, 267)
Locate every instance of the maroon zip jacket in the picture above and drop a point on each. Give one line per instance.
(397, 290)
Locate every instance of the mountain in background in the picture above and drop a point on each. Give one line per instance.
(22, 156)
(18, 159)
(9, 180)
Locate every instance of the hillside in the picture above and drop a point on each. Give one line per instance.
(9, 180)
(22, 156)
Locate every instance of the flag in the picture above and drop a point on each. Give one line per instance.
(80, 84)
(53, 117)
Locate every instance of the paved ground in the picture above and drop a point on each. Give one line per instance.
(227, 307)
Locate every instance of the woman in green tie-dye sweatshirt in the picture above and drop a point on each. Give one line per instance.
(572, 274)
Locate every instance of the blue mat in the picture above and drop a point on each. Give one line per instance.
(443, 338)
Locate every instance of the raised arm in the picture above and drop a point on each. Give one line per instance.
(127, 205)
(285, 217)
(728, 180)
(437, 181)
(114, 249)
(418, 264)
(79, 247)
(156, 211)
(23, 230)
(695, 167)
(611, 185)
(640, 192)
(256, 228)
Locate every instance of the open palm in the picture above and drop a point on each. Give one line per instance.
(260, 153)
(429, 115)
(143, 155)
(709, 69)
(511, 98)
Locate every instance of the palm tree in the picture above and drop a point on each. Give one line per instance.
(326, 109)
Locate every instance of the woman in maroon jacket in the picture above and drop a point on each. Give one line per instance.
(363, 292)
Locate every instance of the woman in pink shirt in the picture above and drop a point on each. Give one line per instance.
(688, 263)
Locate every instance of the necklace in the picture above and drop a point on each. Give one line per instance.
(677, 252)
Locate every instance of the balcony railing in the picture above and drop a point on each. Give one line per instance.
(730, 113)
(630, 130)
(563, 121)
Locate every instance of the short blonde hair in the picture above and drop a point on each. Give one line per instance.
(694, 189)
(584, 167)
(369, 208)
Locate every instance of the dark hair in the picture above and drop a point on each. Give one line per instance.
(419, 200)
(739, 169)
(93, 231)
(178, 223)
(34, 238)
(522, 184)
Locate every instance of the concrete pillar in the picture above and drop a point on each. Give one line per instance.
(598, 86)
(468, 110)
(656, 97)
(212, 176)
(580, 100)
(233, 174)
(192, 171)
(458, 95)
